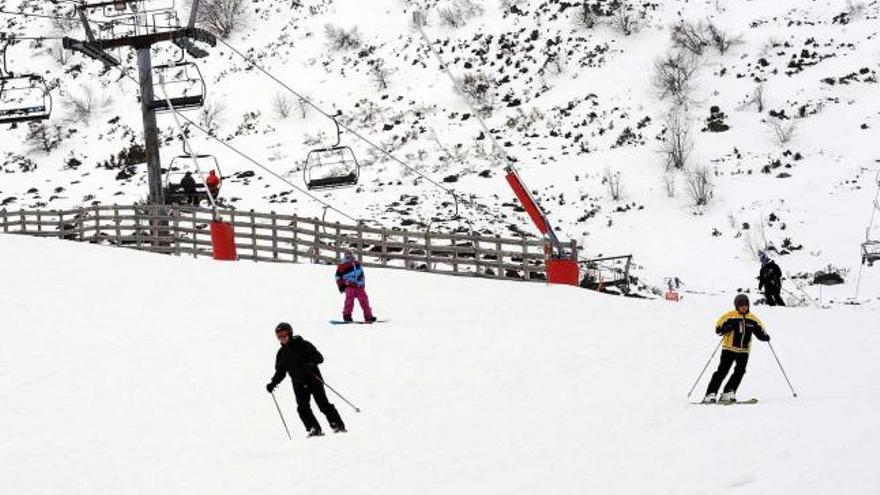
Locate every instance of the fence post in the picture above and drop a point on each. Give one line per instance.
(454, 254)
(337, 242)
(499, 257)
(274, 237)
(39, 221)
(295, 242)
(525, 260)
(23, 220)
(406, 261)
(195, 234)
(5, 221)
(317, 243)
(137, 228)
(116, 225)
(384, 247)
(176, 231)
(476, 243)
(97, 223)
(428, 251)
(254, 234)
(60, 223)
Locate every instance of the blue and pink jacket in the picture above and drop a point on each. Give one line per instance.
(349, 274)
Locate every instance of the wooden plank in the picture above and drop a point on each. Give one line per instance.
(274, 238)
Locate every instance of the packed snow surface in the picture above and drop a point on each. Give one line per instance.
(134, 373)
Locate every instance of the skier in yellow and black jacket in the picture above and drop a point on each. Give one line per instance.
(737, 328)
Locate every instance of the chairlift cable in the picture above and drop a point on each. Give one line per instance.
(347, 128)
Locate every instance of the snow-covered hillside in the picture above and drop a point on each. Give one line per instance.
(132, 373)
(576, 107)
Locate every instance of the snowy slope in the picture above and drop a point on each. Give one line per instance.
(131, 373)
(569, 104)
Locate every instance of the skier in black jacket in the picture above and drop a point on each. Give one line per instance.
(770, 280)
(300, 359)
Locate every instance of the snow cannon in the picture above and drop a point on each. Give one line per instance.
(562, 267)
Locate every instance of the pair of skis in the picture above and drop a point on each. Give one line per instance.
(343, 322)
(730, 403)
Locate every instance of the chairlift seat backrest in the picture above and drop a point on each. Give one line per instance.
(328, 168)
(24, 98)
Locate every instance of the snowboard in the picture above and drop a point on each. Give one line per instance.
(343, 322)
(739, 402)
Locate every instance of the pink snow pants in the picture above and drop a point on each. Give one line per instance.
(359, 293)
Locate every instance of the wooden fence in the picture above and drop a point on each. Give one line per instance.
(274, 237)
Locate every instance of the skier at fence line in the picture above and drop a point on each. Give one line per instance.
(350, 281)
(770, 280)
(300, 359)
(737, 328)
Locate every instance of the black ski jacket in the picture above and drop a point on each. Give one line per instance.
(298, 358)
(770, 276)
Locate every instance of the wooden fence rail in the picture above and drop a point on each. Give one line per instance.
(274, 237)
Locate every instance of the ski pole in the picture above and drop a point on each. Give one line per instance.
(782, 369)
(704, 369)
(282, 416)
(335, 392)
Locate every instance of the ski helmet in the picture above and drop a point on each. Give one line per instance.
(284, 327)
(740, 300)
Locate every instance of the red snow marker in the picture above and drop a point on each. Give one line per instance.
(223, 241)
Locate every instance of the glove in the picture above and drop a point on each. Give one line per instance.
(341, 289)
(270, 387)
(765, 338)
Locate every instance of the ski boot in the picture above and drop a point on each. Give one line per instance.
(339, 429)
(315, 432)
(710, 399)
(727, 398)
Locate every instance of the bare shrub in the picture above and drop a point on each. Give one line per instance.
(783, 130)
(586, 15)
(458, 12)
(673, 75)
(625, 20)
(210, 115)
(380, 73)
(222, 17)
(86, 101)
(677, 144)
(341, 39)
(613, 184)
(478, 87)
(721, 40)
(756, 99)
(669, 178)
(44, 137)
(701, 188)
(303, 106)
(282, 104)
(691, 37)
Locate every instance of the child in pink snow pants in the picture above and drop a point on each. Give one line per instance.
(350, 280)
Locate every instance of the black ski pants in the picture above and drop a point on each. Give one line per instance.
(771, 294)
(728, 358)
(304, 392)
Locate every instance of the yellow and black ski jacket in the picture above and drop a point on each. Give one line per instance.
(738, 329)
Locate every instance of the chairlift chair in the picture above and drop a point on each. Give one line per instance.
(183, 83)
(178, 168)
(870, 252)
(333, 167)
(23, 98)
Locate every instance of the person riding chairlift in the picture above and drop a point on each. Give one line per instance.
(213, 183)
